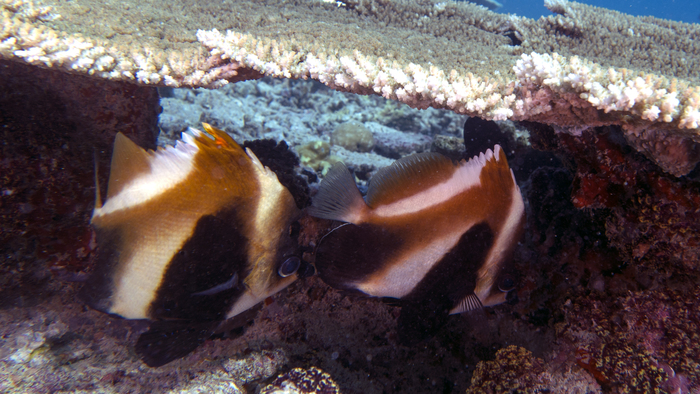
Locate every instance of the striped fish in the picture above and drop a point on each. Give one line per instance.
(189, 237)
(434, 234)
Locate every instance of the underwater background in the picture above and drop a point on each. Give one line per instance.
(607, 272)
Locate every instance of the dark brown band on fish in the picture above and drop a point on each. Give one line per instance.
(214, 254)
(454, 275)
(352, 253)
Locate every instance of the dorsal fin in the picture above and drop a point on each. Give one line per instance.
(407, 176)
(219, 138)
(338, 197)
(495, 171)
(128, 161)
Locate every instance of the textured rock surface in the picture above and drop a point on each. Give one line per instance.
(303, 114)
(513, 370)
(54, 128)
(653, 218)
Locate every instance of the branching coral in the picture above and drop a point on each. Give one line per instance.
(445, 55)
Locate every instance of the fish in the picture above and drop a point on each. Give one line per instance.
(436, 235)
(189, 237)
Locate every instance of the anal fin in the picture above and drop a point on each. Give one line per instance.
(466, 304)
(168, 340)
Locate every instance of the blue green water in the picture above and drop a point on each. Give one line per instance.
(679, 10)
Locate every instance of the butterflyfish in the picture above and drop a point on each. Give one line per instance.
(189, 237)
(434, 234)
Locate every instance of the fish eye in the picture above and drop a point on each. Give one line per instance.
(289, 266)
(506, 284)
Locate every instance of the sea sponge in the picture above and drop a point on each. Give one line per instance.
(353, 136)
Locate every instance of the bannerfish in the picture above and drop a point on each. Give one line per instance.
(189, 237)
(434, 234)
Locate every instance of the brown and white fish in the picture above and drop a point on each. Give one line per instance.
(435, 234)
(189, 237)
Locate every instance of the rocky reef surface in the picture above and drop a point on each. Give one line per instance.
(607, 294)
(304, 114)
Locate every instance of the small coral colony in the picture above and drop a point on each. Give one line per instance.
(194, 237)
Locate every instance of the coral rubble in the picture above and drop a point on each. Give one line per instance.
(303, 114)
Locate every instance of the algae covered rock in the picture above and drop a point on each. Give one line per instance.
(315, 155)
(450, 146)
(353, 136)
(515, 370)
(643, 342)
